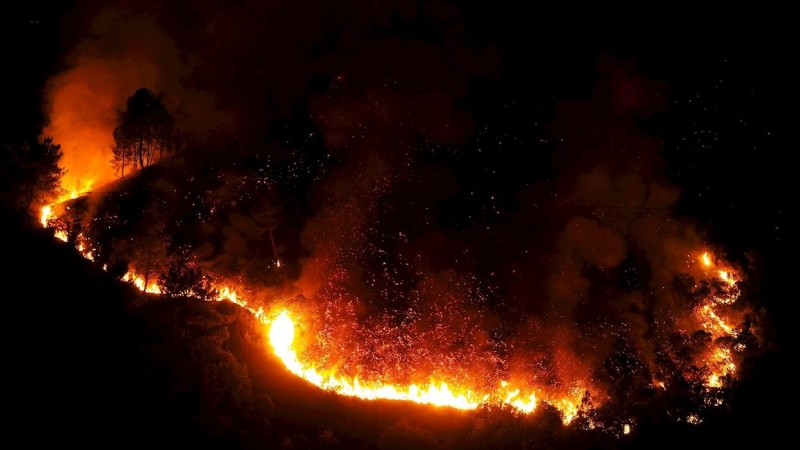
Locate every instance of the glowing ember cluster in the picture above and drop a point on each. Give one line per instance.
(711, 315)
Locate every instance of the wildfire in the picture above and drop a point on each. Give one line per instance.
(694, 419)
(282, 331)
(435, 392)
(139, 281)
(47, 213)
(282, 328)
(706, 259)
(713, 323)
(720, 363)
(281, 336)
(87, 253)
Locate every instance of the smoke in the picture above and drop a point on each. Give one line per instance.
(193, 55)
(582, 272)
(82, 102)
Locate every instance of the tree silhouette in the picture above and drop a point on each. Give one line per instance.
(144, 133)
(144, 245)
(30, 175)
(186, 279)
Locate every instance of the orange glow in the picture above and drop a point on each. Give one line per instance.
(281, 336)
(727, 277)
(286, 333)
(87, 253)
(706, 259)
(282, 332)
(721, 365)
(138, 281)
(569, 407)
(720, 362)
(81, 106)
(47, 213)
(713, 323)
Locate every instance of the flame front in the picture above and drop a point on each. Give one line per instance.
(140, 283)
(720, 362)
(281, 336)
(439, 393)
(47, 213)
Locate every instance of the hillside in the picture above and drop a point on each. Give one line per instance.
(106, 365)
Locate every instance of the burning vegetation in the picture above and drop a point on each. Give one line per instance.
(418, 359)
(627, 306)
(390, 245)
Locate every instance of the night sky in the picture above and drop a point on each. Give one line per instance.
(467, 136)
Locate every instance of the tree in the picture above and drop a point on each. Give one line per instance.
(184, 279)
(143, 246)
(144, 133)
(266, 213)
(30, 175)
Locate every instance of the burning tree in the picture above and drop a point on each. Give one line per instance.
(30, 175)
(144, 247)
(144, 133)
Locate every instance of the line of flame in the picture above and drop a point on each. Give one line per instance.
(281, 333)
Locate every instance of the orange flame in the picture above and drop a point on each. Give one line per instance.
(47, 214)
(720, 364)
(706, 259)
(138, 281)
(282, 330)
(434, 392)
